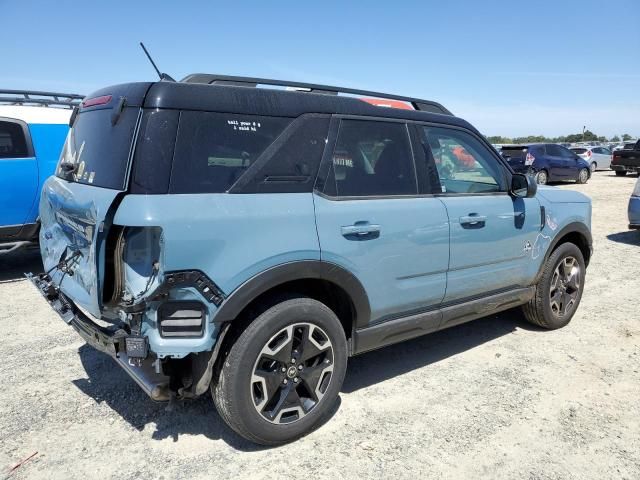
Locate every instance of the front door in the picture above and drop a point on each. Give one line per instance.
(491, 233)
(18, 174)
(372, 221)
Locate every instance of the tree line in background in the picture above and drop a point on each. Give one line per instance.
(588, 136)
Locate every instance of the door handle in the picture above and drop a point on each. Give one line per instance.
(473, 220)
(360, 231)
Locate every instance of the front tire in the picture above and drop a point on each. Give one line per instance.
(583, 175)
(559, 289)
(283, 373)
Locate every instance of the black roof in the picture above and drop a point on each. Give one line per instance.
(260, 101)
(271, 102)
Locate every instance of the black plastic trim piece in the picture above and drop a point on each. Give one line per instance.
(298, 270)
(405, 328)
(190, 278)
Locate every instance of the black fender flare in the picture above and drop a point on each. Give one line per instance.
(248, 291)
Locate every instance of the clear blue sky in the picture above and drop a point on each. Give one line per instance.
(509, 67)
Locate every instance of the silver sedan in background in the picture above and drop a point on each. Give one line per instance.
(599, 158)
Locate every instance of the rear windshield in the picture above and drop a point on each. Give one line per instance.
(97, 150)
(510, 152)
(214, 149)
(579, 151)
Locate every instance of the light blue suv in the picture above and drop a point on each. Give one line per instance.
(215, 234)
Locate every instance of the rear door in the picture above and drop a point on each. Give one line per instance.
(76, 202)
(491, 233)
(18, 175)
(373, 220)
(558, 162)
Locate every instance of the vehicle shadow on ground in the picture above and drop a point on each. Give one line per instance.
(107, 383)
(631, 237)
(384, 364)
(14, 265)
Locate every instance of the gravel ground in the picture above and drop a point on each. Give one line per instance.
(495, 398)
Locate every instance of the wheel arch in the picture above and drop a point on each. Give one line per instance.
(327, 282)
(576, 233)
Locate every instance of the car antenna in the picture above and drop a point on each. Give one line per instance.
(163, 76)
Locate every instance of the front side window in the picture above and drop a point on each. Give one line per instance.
(463, 163)
(372, 158)
(13, 143)
(214, 149)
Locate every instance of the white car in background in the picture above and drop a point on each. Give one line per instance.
(599, 158)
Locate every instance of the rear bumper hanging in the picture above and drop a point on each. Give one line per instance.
(129, 351)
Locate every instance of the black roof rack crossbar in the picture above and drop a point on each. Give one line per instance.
(34, 97)
(213, 79)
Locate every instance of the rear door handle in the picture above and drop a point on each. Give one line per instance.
(360, 231)
(473, 220)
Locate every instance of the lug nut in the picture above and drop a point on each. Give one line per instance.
(285, 381)
(293, 360)
(295, 380)
(299, 367)
(283, 369)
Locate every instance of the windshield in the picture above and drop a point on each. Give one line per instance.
(96, 151)
(510, 152)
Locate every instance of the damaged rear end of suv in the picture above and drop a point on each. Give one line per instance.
(106, 272)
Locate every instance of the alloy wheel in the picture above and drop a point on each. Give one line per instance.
(583, 175)
(565, 286)
(292, 373)
(541, 177)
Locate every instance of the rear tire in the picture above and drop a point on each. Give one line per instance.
(542, 177)
(620, 173)
(593, 166)
(559, 289)
(283, 373)
(583, 175)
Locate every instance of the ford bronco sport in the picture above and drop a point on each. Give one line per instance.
(214, 234)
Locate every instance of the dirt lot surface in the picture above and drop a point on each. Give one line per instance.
(495, 398)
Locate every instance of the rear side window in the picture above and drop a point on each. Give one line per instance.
(580, 151)
(97, 151)
(13, 143)
(291, 163)
(371, 158)
(214, 149)
(555, 150)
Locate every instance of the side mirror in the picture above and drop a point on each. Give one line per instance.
(523, 186)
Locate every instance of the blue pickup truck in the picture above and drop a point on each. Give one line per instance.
(33, 128)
